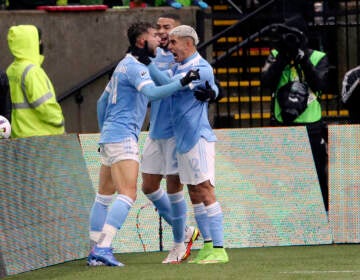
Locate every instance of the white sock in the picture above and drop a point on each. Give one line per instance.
(95, 236)
(107, 235)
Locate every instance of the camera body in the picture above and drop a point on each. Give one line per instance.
(293, 98)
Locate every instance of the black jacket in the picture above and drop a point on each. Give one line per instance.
(315, 76)
(5, 101)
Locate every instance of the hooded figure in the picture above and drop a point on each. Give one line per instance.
(35, 111)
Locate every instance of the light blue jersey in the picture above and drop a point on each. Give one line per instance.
(122, 106)
(189, 115)
(161, 126)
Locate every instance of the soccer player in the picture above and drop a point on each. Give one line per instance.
(159, 155)
(121, 111)
(195, 143)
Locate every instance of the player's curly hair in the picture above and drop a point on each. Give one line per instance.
(137, 29)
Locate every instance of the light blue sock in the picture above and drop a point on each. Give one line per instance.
(119, 211)
(162, 203)
(99, 211)
(215, 217)
(202, 221)
(178, 212)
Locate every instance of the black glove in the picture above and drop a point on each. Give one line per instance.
(189, 77)
(142, 54)
(206, 94)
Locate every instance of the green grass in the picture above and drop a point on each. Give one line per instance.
(296, 262)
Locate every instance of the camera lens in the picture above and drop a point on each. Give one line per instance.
(291, 38)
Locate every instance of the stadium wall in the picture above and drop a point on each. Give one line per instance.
(265, 180)
(78, 45)
(46, 194)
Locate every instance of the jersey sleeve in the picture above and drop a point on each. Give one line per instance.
(139, 76)
(161, 77)
(206, 74)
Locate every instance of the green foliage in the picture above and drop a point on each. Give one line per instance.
(91, 2)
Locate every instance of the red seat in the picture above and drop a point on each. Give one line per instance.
(73, 8)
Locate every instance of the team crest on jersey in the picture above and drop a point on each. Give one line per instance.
(144, 74)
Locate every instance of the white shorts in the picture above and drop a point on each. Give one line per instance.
(112, 153)
(159, 157)
(198, 165)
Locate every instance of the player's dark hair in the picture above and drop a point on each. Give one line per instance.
(173, 16)
(137, 29)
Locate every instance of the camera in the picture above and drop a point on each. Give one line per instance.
(287, 38)
(291, 39)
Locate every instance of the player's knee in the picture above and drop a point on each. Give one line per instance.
(195, 194)
(148, 188)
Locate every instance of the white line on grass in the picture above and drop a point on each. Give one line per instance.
(320, 271)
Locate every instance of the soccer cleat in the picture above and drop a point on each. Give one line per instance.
(102, 255)
(191, 234)
(203, 253)
(218, 255)
(93, 262)
(176, 254)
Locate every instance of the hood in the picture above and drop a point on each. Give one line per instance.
(23, 41)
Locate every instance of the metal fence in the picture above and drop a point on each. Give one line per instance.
(239, 51)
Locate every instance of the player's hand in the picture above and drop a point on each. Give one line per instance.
(206, 94)
(189, 77)
(142, 54)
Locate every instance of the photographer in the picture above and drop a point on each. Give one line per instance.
(297, 75)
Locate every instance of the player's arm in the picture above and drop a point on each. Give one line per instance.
(140, 77)
(101, 108)
(160, 77)
(165, 77)
(157, 92)
(206, 90)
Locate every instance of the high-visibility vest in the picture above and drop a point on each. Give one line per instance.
(312, 112)
(37, 112)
